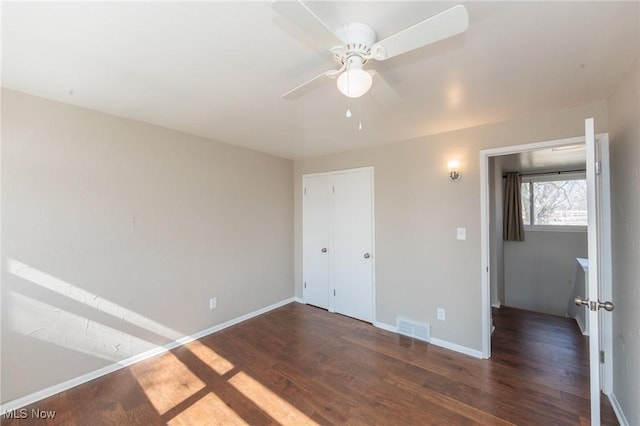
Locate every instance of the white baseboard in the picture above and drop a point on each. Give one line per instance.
(384, 326)
(299, 300)
(458, 348)
(60, 387)
(618, 410)
(434, 341)
(581, 325)
(496, 305)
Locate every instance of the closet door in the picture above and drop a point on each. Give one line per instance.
(316, 225)
(353, 243)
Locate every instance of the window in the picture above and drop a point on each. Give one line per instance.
(554, 204)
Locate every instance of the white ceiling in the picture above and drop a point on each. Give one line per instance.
(217, 69)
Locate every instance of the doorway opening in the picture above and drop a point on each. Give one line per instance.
(543, 165)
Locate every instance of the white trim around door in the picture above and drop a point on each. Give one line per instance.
(372, 253)
(485, 240)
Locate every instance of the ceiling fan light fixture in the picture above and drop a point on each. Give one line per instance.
(354, 83)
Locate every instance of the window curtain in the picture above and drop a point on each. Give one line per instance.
(512, 226)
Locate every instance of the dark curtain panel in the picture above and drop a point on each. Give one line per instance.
(512, 226)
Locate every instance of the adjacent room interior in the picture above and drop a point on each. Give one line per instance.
(293, 212)
(536, 272)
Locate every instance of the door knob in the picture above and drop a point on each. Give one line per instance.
(580, 301)
(607, 306)
(367, 255)
(324, 250)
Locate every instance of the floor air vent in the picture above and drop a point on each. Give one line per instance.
(414, 329)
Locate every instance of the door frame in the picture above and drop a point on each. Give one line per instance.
(331, 307)
(604, 242)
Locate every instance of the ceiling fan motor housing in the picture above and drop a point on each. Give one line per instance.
(358, 39)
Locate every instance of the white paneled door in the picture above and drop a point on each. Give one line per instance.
(593, 302)
(353, 244)
(594, 277)
(338, 257)
(316, 223)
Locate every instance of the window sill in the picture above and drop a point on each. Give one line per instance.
(555, 228)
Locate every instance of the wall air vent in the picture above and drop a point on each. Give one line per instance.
(414, 329)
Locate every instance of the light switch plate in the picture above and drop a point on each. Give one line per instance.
(461, 233)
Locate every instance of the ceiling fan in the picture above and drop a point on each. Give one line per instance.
(356, 44)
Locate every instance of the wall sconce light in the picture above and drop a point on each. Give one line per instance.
(454, 170)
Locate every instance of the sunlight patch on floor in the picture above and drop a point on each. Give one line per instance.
(211, 408)
(279, 409)
(166, 382)
(207, 355)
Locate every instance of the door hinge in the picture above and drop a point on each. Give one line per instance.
(333, 188)
(305, 191)
(305, 284)
(601, 357)
(334, 291)
(598, 167)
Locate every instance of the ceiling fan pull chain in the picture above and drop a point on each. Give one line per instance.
(360, 123)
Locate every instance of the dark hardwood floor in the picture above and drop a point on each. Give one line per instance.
(301, 365)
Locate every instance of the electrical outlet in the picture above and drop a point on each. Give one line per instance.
(440, 314)
(213, 303)
(461, 234)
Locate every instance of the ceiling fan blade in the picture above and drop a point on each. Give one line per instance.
(443, 25)
(299, 13)
(382, 90)
(310, 85)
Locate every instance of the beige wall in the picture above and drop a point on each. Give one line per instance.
(420, 265)
(624, 133)
(116, 233)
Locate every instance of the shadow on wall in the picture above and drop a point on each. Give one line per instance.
(176, 401)
(30, 317)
